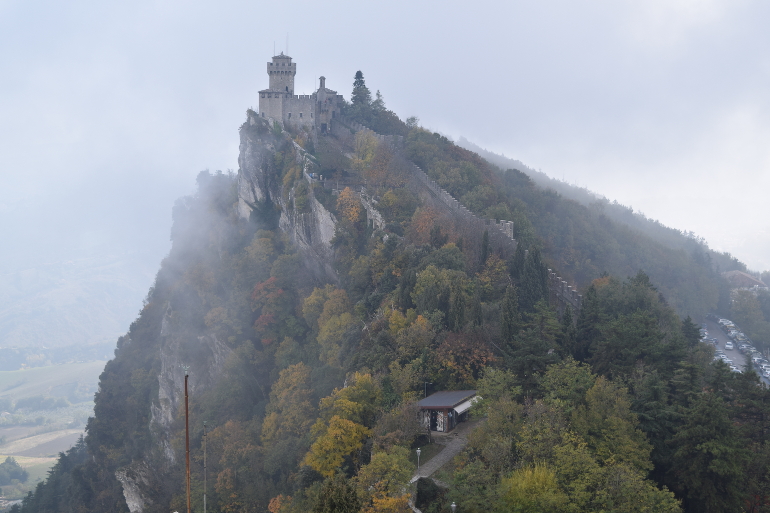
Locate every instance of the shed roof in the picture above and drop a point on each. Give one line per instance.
(446, 399)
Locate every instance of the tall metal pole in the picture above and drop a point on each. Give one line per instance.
(204, 466)
(187, 436)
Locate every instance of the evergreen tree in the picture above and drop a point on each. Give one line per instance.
(484, 247)
(517, 263)
(587, 324)
(476, 312)
(708, 462)
(534, 283)
(379, 103)
(456, 317)
(437, 240)
(567, 338)
(690, 331)
(509, 315)
(405, 289)
(657, 418)
(361, 95)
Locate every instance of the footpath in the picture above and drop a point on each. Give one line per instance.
(453, 442)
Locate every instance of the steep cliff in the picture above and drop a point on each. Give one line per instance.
(261, 187)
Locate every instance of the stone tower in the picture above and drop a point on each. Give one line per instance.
(279, 103)
(282, 72)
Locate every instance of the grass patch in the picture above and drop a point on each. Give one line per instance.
(427, 453)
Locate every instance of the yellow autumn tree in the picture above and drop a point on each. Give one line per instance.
(341, 438)
(382, 482)
(365, 145)
(333, 321)
(349, 206)
(291, 411)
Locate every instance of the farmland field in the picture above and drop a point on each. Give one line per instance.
(44, 411)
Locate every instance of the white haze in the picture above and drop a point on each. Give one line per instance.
(110, 109)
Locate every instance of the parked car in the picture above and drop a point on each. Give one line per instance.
(728, 345)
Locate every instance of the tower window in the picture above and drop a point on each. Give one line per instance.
(300, 114)
(287, 88)
(289, 115)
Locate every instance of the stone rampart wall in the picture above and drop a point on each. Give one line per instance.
(500, 232)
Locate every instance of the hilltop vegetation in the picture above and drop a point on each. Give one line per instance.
(615, 408)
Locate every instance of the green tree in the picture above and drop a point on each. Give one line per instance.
(709, 459)
(609, 426)
(361, 95)
(690, 331)
(337, 495)
(290, 411)
(484, 247)
(386, 475)
(510, 320)
(566, 383)
(533, 490)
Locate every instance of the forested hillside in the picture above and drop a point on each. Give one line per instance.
(671, 237)
(308, 385)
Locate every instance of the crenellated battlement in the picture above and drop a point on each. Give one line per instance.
(278, 102)
(500, 232)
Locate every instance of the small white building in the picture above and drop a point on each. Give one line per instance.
(442, 411)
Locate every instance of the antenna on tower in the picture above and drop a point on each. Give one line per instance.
(273, 47)
(287, 43)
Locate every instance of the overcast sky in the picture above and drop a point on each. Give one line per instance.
(108, 110)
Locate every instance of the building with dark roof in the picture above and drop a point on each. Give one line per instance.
(442, 411)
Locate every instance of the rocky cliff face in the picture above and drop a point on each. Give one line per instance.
(260, 187)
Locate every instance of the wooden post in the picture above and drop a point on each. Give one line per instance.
(204, 466)
(187, 438)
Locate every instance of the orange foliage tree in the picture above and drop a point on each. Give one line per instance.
(464, 355)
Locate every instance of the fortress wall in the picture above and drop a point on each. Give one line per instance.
(271, 107)
(301, 108)
(500, 232)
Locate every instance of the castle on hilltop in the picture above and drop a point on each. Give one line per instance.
(279, 103)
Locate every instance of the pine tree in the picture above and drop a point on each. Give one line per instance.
(567, 338)
(456, 317)
(510, 320)
(361, 95)
(517, 263)
(708, 462)
(476, 313)
(587, 325)
(690, 331)
(484, 247)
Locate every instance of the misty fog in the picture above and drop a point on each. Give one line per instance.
(111, 111)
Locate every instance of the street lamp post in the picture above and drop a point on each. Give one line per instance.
(418, 458)
(454, 507)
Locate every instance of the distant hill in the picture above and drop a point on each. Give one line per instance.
(670, 237)
(81, 301)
